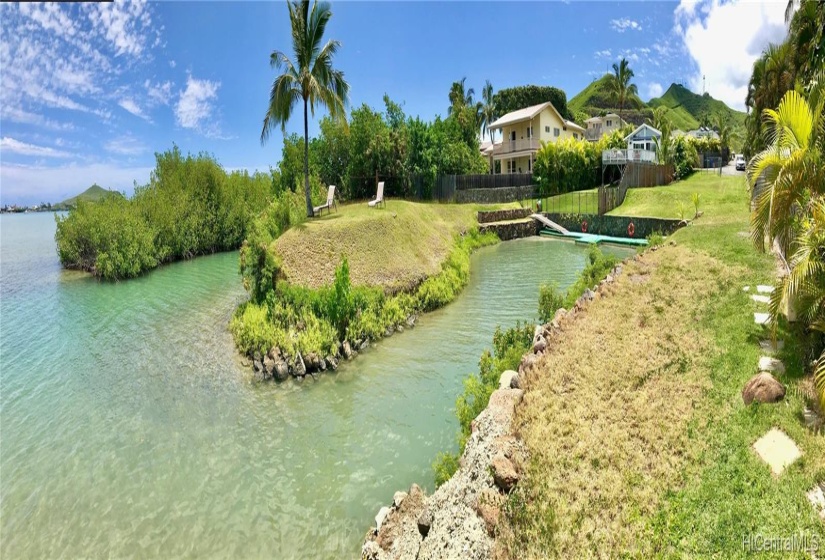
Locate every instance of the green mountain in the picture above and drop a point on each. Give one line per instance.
(92, 194)
(685, 108)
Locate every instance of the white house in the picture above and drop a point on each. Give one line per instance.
(641, 146)
(599, 126)
(703, 132)
(523, 131)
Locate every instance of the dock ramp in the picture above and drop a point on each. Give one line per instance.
(549, 223)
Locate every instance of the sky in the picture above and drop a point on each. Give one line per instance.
(90, 92)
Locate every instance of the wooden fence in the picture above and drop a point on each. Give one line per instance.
(414, 186)
(487, 181)
(647, 175)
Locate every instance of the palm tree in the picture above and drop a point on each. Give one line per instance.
(488, 112)
(619, 86)
(310, 77)
(458, 97)
(723, 128)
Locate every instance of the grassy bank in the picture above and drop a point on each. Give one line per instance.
(640, 442)
(325, 286)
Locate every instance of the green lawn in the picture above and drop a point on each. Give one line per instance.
(640, 443)
(579, 202)
(394, 247)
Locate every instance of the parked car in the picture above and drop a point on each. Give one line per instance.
(740, 162)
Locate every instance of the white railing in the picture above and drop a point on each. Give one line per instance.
(510, 146)
(593, 133)
(624, 156)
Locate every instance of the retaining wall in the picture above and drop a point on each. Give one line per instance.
(616, 226)
(503, 215)
(512, 230)
(491, 196)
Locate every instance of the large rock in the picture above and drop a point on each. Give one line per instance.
(269, 366)
(381, 517)
(398, 498)
(539, 345)
(527, 362)
(258, 372)
(346, 350)
(424, 521)
(764, 388)
(504, 473)
(300, 368)
(281, 371)
(488, 507)
(275, 353)
(506, 379)
(332, 363)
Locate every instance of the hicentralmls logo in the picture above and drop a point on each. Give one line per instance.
(772, 543)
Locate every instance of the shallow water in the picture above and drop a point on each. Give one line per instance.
(128, 427)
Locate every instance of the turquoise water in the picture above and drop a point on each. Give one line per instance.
(128, 427)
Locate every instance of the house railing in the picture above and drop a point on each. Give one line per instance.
(593, 134)
(511, 146)
(618, 156)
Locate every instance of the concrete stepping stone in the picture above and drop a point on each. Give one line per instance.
(777, 450)
(761, 318)
(760, 299)
(764, 289)
(817, 498)
(766, 363)
(768, 345)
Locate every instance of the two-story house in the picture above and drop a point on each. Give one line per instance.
(523, 131)
(599, 126)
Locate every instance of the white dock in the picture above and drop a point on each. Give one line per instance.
(549, 223)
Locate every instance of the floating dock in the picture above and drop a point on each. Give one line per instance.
(594, 239)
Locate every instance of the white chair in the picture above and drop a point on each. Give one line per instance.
(379, 197)
(330, 202)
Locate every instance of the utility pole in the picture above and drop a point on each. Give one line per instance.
(703, 84)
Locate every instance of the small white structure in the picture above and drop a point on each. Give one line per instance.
(599, 126)
(641, 147)
(703, 132)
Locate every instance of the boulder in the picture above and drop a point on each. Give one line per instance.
(281, 370)
(300, 368)
(488, 507)
(274, 353)
(589, 295)
(399, 328)
(381, 517)
(424, 521)
(764, 388)
(527, 362)
(397, 498)
(411, 321)
(364, 345)
(257, 366)
(256, 356)
(539, 346)
(312, 362)
(506, 380)
(269, 366)
(390, 330)
(332, 363)
(504, 473)
(346, 350)
(560, 313)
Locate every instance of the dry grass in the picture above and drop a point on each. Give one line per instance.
(606, 414)
(394, 247)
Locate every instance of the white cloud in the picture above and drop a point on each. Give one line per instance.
(125, 146)
(129, 105)
(603, 54)
(14, 114)
(195, 106)
(159, 94)
(10, 145)
(172, 64)
(25, 184)
(722, 56)
(124, 25)
(654, 89)
(623, 24)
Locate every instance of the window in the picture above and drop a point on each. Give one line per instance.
(547, 129)
(609, 123)
(529, 132)
(576, 136)
(529, 166)
(511, 166)
(556, 132)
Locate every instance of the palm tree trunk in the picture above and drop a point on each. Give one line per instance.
(306, 162)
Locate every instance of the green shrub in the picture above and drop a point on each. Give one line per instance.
(598, 266)
(655, 239)
(445, 466)
(550, 301)
(252, 330)
(684, 157)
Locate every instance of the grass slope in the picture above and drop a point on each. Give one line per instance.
(394, 247)
(640, 443)
(92, 194)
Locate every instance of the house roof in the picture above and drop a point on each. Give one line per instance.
(523, 115)
(600, 119)
(640, 128)
(571, 124)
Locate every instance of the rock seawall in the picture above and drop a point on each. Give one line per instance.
(458, 521)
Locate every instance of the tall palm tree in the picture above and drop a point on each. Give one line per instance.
(619, 86)
(460, 98)
(723, 128)
(488, 109)
(309, 78)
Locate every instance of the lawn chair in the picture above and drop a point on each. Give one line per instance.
(330, 202)
(379, 197)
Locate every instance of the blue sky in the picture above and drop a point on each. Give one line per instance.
(89, 92)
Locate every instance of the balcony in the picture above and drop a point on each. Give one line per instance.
(593, 134)
(630, 155)
(512, 146)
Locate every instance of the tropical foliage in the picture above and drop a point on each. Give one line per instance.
(572, 165)
(788, 185)
(619, 85)
(310, 77)
(190, 207)
(515, 98)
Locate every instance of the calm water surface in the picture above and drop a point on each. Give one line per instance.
(130, 429)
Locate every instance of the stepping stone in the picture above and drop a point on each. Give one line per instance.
(764, 289)
(817, 498)
(746, 289)
(768, 345)
(761, 318)
(761, 299)
(766, 363)
(777, 450)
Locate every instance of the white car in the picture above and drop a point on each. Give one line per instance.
(740, 162)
